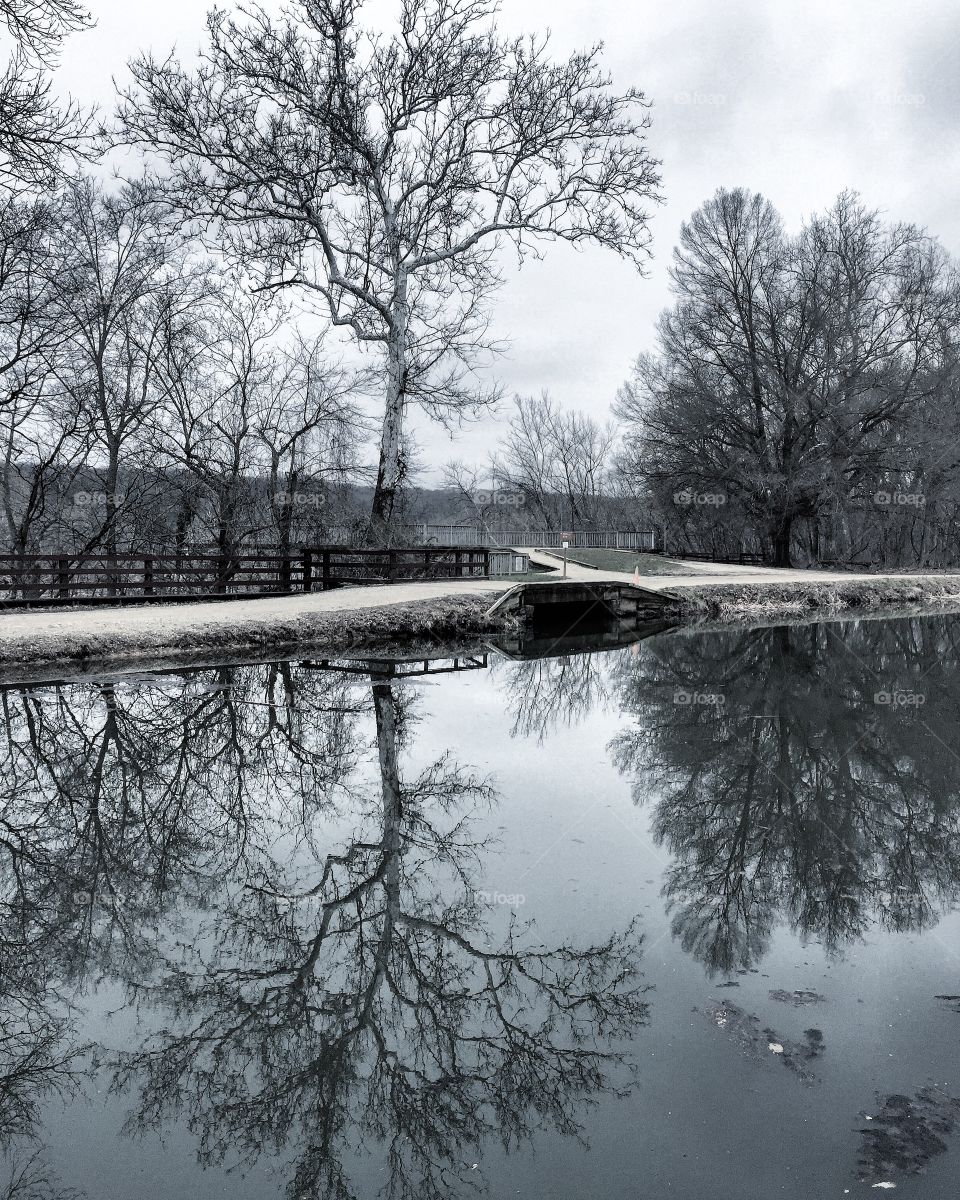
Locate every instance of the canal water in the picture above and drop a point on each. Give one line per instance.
(676, 919)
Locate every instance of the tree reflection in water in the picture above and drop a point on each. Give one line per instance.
(786, 784)
(306, 930)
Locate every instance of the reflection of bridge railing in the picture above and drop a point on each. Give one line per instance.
(393, 668)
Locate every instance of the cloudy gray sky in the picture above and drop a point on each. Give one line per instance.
(797, 99)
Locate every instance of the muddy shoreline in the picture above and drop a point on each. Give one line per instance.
(429, 627)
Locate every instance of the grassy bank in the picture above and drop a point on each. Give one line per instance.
(765, 601)
(626, 561)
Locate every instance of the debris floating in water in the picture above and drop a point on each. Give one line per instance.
(799, 998)
(759, 1043)
(906, 1134)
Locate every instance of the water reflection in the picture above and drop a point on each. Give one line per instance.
(302, 935)
(807, 774)
(280, 877)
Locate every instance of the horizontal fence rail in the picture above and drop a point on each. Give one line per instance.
(63, 579)
(743, 559)
(469, 535)
(332, 566)
(95, 578)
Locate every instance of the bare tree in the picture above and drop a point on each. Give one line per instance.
(209, 422)
(127, 287)
(30, 265)
(38, 425)
(41, 454)
(382, 174)
(559, 460)
(309, 427)
(787, 365)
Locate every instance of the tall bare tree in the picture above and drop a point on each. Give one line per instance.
(787, 365)
(381, 174)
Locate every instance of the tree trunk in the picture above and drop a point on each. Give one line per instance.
(385, 709)
(390, 469)
(112, 519)
(780, 538)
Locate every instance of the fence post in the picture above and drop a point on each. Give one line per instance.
(147, 576)
(326, 570)
(485, 562)
(308, 571)
(285, 571)
(391, 565)
(63, 578)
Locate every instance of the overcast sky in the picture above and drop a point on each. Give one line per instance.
(795, 99)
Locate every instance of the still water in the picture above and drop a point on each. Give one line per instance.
(678, 919)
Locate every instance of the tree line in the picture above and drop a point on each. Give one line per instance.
(307, 250)
(801, 400)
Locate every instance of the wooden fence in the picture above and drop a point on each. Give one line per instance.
(64, 579)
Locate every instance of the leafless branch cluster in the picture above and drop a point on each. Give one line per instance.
(36, 129)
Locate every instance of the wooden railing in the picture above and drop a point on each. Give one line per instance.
(65, 579)
(333, 566)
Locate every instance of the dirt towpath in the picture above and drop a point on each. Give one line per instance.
(42, 634)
